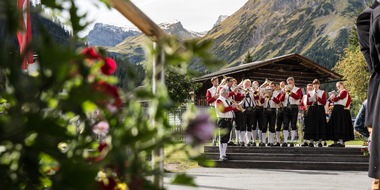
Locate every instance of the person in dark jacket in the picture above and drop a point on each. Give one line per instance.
(368, 29)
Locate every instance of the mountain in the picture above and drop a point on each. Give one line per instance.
(109, 35)
(221, 18)
(176, 28)
(133, 46)
(317, 29)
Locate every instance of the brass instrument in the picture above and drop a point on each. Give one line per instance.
(238, 106)
(241, 84)
(278, 88)
(288, 88)
(248, 90)
(265, 84)
(335, 93)
(256, 92)
(240, 87)
(268, 93)
(223, 82)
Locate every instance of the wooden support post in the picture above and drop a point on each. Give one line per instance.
(152, 30)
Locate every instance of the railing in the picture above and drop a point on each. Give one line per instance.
(175, 119)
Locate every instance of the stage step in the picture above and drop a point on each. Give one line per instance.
(287, 150)
(297, 158)
(292, 157)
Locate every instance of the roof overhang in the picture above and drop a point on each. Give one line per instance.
(279, 68)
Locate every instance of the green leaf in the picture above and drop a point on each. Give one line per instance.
(202, 160)
(89, 106)
(183, 179)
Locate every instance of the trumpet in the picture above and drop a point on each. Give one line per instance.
(238, 106)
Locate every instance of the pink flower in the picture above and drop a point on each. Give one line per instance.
(101, 128)
(109, 66)
(200, 130)
(90, 52)
(112, 108)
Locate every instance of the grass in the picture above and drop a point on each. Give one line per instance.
(177, 160)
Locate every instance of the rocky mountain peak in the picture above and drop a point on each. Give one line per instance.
(173, 24)
(109, 35)
(176, 28)
(221, 18)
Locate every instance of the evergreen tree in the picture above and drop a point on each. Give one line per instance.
(248, 58)
(130, 75)
(353, 42)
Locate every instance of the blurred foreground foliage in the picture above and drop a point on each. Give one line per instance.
(69, 126)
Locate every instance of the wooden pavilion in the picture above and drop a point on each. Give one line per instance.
(276, 69)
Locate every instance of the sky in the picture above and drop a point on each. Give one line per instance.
(195, 15)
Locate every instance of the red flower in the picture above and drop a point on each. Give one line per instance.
(111, 91)
(109, 66)
(108, 186)
(102, 146)
(103, 149)
(90, 52)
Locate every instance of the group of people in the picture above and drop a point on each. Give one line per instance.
(265, 110)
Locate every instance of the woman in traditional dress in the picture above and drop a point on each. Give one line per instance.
(340, 129)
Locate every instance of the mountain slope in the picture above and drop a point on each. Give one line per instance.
(317, 29)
